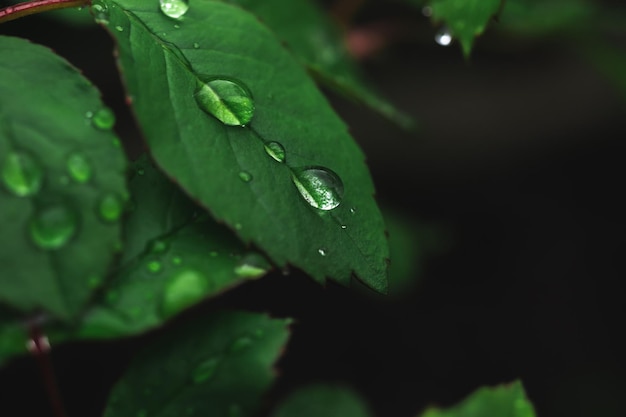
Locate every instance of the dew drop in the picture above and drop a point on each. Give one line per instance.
(251, 265)
(205, 370)
(276, 151)
(319, 186)
(100, 12)
(240, 344)
(110, 207)
(78, 168)
(322, 251)
(119, 28)
(228, 101)
(245, 176)
(344, 227)
(103, 119)
(53, 227)
(158, 246)
(154, 266)
(21, 174)
(183, 289)
(174, 8)
(196, 45)
(443, 37)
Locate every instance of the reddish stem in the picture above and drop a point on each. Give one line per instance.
(39, 348)
(37, 6)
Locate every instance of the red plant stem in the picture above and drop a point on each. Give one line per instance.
(39, 348)
(37, 6)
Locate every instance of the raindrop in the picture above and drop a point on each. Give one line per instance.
(110, 207)
(183, 289)
(196, 45)
(352, 210)
(343, 226)
(443, 37)
(78, 168)
(21, 174)
(103, 119)
(251, 265)
(100, 12)
(174, 8)
(245, 176)
(158, 246)
(276, 151)
(319, 186)
(119, 28)
(205, 370)
(322, 251)
(228, 101)
(154, 266)
(52, 227)
(177, 26)
(240, 344)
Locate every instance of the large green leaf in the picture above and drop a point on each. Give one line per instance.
(318, 400)
(166, 62)
(62, 183)
(318, 43)
(465, 19)
(506, 400)
(75, 16)
(216, 366)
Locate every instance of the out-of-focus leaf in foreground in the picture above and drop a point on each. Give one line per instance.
(328, 400)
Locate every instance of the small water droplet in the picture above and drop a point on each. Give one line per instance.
(205, 370)
(158, 246)
(119, 28)
(177, 260)
(100, 12)
(174, 8)
(343, 226)
(21, 174)
(238, 226)
(110, 207)
(245, 176)
(240, 344)
(196, 45)
(183, 289)
(154, 266)
(319, 186)
(176, 26)
(352, 210)
(252, 265)
(322, 251)
(103, 119)
(443, 37)
(78, 168)
(276, 151)
(228, 101)
(52, 227)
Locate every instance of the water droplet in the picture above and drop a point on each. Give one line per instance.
(343, 226)
(78, 168)
(276, 151)
(196, 45)
(238, 226)
(205, 370)
(52, 227)
(119, 28)
(228, 101)
(158, 246)
(352, 210)
(240, 344)
(100, 12)
(320, 187)
(443, 37)
(183, 289)
(174, 8)
(245, 176)
(21, 174)
(154, 266)
(110, 207)
(177, 260)
(252, 265)
(103, 119)
(322, 251)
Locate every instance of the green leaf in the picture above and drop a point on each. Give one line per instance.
(13, 336)
(62, 183)
(215, 366)
(465, 19)
(226, 168)
(506, 400)
(75, 16)
(331, 400)
(318, 43)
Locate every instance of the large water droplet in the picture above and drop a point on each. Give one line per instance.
(79, 168)
(183, 289)
(110, 207)
(103, 119)
(319, 186)
(52, 227)
(443, 37)
(251, 265)
(100, 12)
(228, 101)
(174, 8)
(21, 174)
(276, 151)
(205, 370)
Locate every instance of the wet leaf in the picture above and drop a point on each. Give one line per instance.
(328, 400)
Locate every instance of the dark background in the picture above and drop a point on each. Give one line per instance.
(518, 158)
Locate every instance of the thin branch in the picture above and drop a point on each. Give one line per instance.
(37, 6)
